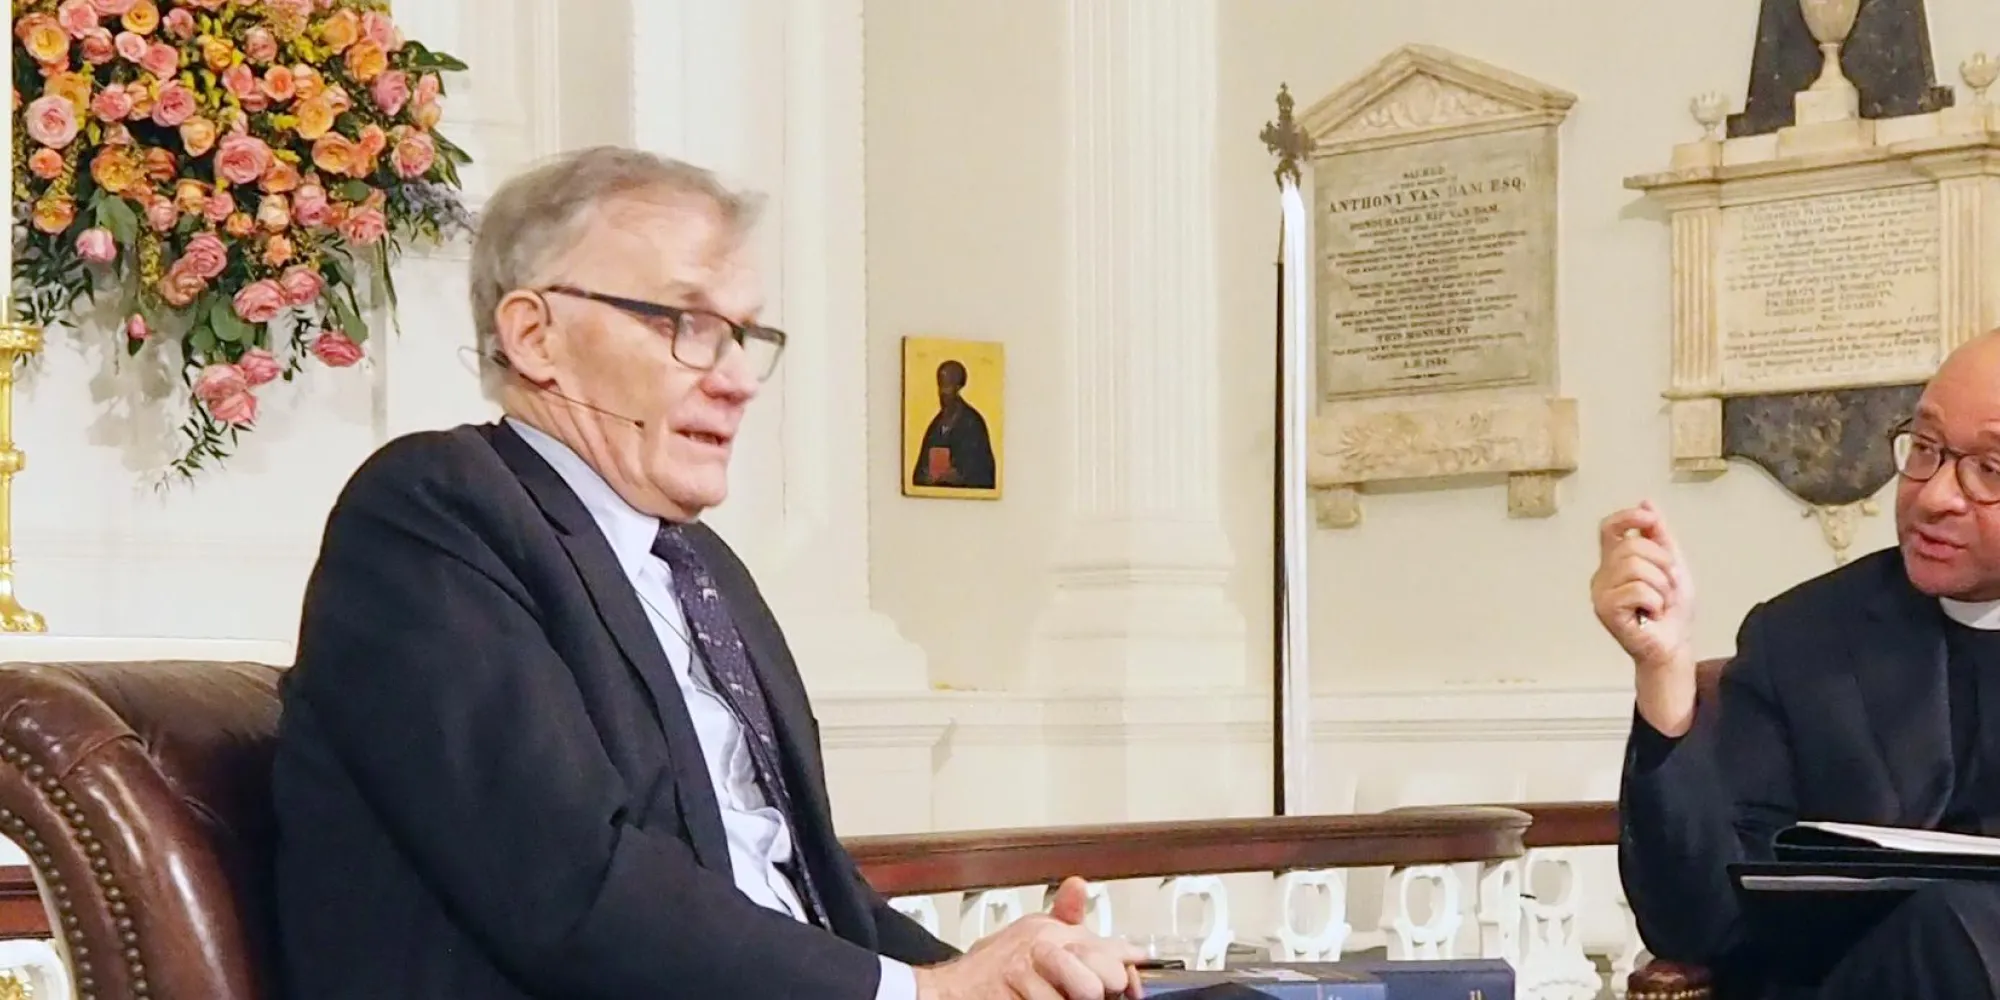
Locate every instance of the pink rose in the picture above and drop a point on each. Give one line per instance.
(173, 105)
(179, 286)
(258, 366)
(220, 381)
(206, 256)
(414, 154)
(76, 17)
(52, 121)
(241, 159)
(309, 205)
(161, 214)
(381, 29)
(334, 349)
(219, 206)
(364, 226)
(240, 80)
(135, 327)
(240, 409)
(391, 92)
(113, 8)
(179, 23)
(112, 104)
(259, 301)
(98, 48)
(260, 46)
(131, 46)
(161, 60)
(96, 246)
(302, 285)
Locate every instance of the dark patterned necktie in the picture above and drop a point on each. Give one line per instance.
(721, 647)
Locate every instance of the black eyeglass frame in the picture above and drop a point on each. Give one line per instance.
(652, 313)
(1946, 456)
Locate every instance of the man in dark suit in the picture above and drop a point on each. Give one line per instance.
(1868, 695)
(544, 739)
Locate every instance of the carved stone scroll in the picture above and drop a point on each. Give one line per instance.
(1433, 180)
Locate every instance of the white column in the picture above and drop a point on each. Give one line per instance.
(769, 93)
(1140, 597)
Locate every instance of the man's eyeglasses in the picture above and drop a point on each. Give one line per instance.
(1919, 457)
(697, 336)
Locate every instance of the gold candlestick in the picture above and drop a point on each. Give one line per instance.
(18, 341)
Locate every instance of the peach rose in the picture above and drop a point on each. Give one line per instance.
(425, 108)
(278, 250)
(315, 118)
(179, 23)
(239, 225)
(76, 17)
(45, 163)
(259, 301)
(302, 285)
(391, 91)
(131, 47)
(336, 98)
(341, 30)
(260, 46)
(113, 103)
(205, 257)
(112, 8)
(117, 135)
(136, 328)
(140, 16)
(161, 214)
(190, 195)
(219, 206)
(216, 53)
(334, 154)
(161, 60)
(279, 178)
(159, 166)
(310, 206)
(98, 48)
(381, 29)
(116, 169)
(364, 226)
(365, 60)
(197, 136)
(52, 121)
(278, 84)
(259, 366)
(97, 246)
(310, 83)
(242, 159)
(274, 213)
(43, 37)
(414, 154)
(76, 88)
(179, 286)
(53, 215)
(335, 350)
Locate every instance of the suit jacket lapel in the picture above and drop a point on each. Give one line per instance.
(618, 605)
(1900, 679)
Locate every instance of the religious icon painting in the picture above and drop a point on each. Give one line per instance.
(954, 411)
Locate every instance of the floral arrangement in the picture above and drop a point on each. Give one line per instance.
(226, 172)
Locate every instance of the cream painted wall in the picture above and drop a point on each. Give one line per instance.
(1437, 587)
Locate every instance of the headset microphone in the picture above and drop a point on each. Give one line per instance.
(501, 363)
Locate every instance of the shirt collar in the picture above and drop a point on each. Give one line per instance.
(1981, 615)
(630, 531)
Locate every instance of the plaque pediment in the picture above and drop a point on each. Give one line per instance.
(1422, 93)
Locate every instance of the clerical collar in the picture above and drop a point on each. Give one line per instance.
(1982, 615)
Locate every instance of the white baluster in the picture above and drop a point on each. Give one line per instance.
(1214, 946)
(1436, 937)
(923, 910)
(1500, 911)
(982, 914)
(39, 966)
(1553, 965)
(1325, 943)
(1627, 959)
(1097, 914)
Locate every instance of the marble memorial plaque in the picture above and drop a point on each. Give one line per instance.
(1838, 289)
(1436, 265)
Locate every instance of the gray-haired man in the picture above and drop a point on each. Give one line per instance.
(544, 738)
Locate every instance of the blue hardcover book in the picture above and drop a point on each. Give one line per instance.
(1313, 981)
(1443, 979)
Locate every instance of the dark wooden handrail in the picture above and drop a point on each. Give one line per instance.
(1572, 824)
(905, 865)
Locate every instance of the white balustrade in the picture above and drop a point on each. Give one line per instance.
(1326, 942)
(1217, 933)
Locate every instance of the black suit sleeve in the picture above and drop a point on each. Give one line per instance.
(422, 660)
(902, 938)
(1690, 807)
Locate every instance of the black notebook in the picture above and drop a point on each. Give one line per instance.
(1831, 882)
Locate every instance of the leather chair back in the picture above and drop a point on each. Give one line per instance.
(141, 793)
(1708, 677)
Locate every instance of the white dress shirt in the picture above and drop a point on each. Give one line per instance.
(760, 839)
